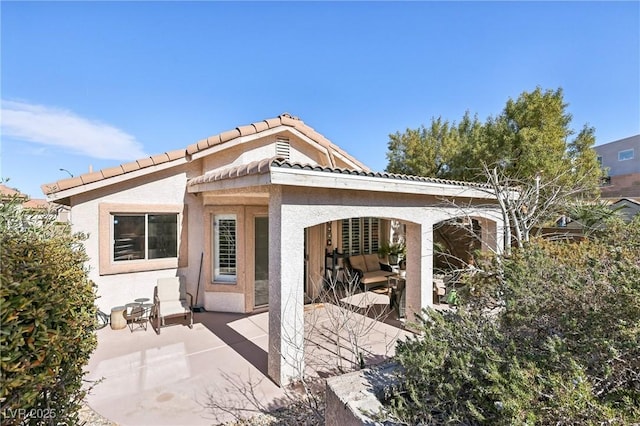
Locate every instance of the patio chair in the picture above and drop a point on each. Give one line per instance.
(170, 300)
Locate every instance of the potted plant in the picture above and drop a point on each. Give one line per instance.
(394, 252)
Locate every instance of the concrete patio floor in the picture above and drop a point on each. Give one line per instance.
(218, 370)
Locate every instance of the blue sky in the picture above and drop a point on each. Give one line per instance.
(91, 83)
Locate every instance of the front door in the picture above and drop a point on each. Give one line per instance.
(261, 264)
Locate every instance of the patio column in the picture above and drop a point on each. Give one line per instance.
(286, 301)
(419, 286)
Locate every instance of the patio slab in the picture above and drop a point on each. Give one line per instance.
(206, 375)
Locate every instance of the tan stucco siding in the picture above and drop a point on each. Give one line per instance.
(259, 149)
(239, 295)
(155, 192)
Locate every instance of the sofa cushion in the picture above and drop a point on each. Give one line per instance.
(373, 264)
(357, 262)
(375, 277)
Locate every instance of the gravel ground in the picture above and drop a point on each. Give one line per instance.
(91, 418)
(299, 413)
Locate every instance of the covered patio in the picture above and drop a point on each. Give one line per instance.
(216, 371)
(300, 200)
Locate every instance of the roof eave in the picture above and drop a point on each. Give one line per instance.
(320, 179)
(64, 196)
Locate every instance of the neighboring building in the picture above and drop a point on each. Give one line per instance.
(620, 161)
(627, 208)
(252, 212)
(34, 205)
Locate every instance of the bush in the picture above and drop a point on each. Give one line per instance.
(550, 335)
(48, 317)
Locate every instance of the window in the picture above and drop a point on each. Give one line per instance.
(144, 236)
(225, 248)
(599, 159)
(360, 235)
(626, 154)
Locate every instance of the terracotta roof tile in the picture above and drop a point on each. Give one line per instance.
(68, 183)
(203, 144)
(8, 192)
(91, 177)
(247, 130)
(130, 167)
(176, 154)
(36, 203)
(213, 140)
(160, 158)
(261, 126)
(228, 135)
(113, 171)
(264, 166)
(250, 129)
(192, 149)
(286, 120)
(145, 162)
(273, 122)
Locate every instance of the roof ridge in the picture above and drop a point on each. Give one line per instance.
(284, 119)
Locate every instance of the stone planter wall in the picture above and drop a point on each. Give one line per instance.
(352, 399)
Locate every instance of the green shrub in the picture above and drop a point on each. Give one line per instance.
(48, 316)
(550, 335)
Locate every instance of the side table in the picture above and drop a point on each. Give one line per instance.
(118, 321)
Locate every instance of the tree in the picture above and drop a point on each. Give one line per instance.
(48, 318)
(530, 137)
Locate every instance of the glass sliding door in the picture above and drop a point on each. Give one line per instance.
(261, 267)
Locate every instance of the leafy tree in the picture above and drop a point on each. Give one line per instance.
(48, 317)
(530, 137)
(548, 335)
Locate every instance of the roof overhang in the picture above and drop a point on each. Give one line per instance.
(64, 196)
(274, 173)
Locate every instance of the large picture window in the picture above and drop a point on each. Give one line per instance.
(225, 258)
(144, 236)
(360, 235)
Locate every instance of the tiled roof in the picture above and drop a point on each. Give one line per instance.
(250, 129)
(265, 166)
(7, 193)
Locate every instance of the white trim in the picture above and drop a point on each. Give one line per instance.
(318, 179)
(114, 180)
(217, 276)
(633, 154)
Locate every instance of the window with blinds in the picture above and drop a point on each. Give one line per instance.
(225, 259)
(360, 235)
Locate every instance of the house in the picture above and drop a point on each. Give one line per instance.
(628, 208)
(35, 206)
(247, 217)
(620, 161)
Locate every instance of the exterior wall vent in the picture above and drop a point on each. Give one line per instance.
(283, 149)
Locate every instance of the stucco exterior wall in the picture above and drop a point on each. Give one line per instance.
(609, 154)
(292, 209)
(162, 188)
(262, 148)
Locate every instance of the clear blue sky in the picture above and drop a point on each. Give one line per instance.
(89, 83)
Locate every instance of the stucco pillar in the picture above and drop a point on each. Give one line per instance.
(286, 302)
(419, 268)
